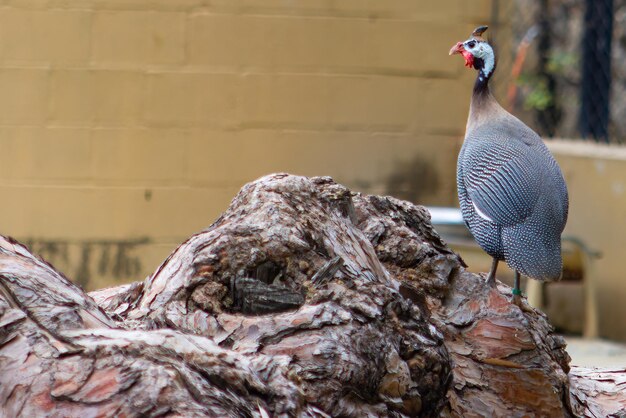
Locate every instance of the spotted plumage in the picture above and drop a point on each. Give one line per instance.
(511, 191)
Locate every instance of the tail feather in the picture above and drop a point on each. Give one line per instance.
(533, 251)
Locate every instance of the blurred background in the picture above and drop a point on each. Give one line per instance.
(128, 125)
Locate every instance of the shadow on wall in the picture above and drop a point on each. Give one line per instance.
(83, 261)
(415, 180)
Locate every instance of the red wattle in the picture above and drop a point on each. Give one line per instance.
(469, 58)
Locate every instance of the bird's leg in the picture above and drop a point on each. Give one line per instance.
(491, 279)
(517, 293)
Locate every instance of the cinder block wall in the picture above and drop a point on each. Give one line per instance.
(127, 125)
(596, 179)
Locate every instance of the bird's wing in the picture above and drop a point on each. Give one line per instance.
(503, 180)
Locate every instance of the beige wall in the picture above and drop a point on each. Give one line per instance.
(127, 125)
(596, 179)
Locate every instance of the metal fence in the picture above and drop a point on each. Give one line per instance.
(562, 65)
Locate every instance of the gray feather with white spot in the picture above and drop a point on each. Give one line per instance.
(513, 196)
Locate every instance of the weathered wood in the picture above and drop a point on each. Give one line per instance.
(61, 356)
(356, 346)
(116, 301)
(504, 361)
(598, 392)
(302, 299)
(254, 297)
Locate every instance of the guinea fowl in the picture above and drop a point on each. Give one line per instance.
(511, 190)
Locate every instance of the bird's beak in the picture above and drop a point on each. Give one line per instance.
(460, 49)
(457, 49)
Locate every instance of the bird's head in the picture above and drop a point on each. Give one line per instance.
(477, 52)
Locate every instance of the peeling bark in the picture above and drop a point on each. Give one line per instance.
(302, 299)
(598, 392)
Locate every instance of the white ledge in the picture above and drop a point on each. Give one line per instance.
(586, 148)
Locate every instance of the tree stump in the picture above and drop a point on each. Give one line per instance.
(302, 299)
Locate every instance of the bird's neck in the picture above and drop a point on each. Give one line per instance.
(483, 106)
(481, 85)
(485, 68)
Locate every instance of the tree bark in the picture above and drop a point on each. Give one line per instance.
(302, 299)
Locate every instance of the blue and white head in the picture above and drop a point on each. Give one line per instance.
(478, 53)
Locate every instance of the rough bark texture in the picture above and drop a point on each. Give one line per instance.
(598, 392)
(302, 299)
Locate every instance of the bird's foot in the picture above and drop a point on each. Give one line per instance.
(524, 307)
(491, 281)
